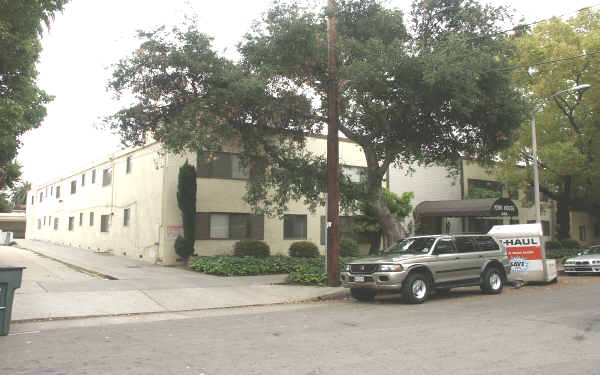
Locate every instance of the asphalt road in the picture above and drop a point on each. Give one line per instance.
(534, 330)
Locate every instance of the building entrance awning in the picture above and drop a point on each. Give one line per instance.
(487, 207)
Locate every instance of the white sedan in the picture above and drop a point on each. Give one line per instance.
(586, 262)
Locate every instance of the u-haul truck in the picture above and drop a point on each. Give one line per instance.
(525, 248)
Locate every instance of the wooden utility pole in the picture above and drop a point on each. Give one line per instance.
(333, 176)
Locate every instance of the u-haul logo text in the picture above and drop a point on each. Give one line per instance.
(521, 242)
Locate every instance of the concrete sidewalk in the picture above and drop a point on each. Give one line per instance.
(53, 290)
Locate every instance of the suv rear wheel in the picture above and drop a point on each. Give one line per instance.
(493, 281)
(416, 288)
(363, 294)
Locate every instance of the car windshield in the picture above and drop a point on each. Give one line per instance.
(593, 250)
(419, 245)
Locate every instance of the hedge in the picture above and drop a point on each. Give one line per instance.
(303, 249)
(254, 248)
(307, 271)
(561, 253)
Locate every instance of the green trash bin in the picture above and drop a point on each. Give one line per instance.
(10, 279)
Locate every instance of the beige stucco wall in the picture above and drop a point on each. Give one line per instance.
(216, 195)
(140, 191)
(433, 183)
(579, 219)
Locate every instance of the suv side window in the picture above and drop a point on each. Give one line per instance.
(466, 244)
(487, 243)
(445, 246)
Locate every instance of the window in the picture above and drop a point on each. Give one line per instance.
(55, 223)
(356, 174)
(128, 165)
(228, 226)
(51, 190)
(445, 246)
(484, 189)
(514, 221)
(294, 226)
(83, 179)
(58, 192)
(107, 177)
(104, 223)
(71, 222)
(80, 218)
(91, 219)
(582, 236)
(486, 243)
(221, 165)
(73, 187)
(465, 244)
(44, 220)
(126, 215)
(49, 220)
(39, 223)
(32, 198)
(94, 176)
(41, 196)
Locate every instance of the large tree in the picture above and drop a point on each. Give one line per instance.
(22, 103)
(568, 124)
(430, 93)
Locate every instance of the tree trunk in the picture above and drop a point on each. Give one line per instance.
(392, 229)
(563, 217)
(375, 242)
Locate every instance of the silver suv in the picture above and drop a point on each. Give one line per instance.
(417, 265)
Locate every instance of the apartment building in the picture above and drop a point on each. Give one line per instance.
(126, 204)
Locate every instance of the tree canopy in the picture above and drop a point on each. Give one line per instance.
(568, 130)
(429, 91)
(22, 103)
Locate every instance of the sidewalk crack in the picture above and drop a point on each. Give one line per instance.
(153, 300)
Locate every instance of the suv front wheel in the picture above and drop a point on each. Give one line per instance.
(493, 281)
(416, 288)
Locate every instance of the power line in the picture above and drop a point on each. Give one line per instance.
(588, 54)
(518, 27)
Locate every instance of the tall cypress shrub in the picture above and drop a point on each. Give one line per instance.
(186, 200)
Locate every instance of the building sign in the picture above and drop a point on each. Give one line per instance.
(504, 207)
(173, 231)
(525, 253)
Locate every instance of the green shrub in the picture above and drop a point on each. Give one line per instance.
(304, 249)
(254, 248)
(553, 244)
(569, 243)
(308, 271)
(348, 247)
(561, 253)
(183, 247)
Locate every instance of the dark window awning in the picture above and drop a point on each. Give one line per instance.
(487, 207)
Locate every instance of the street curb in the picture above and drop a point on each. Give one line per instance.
(326, 297)
(341, 294)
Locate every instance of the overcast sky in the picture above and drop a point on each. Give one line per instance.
(89, 36)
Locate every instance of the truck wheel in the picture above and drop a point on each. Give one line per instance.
(493, 281)
(416, 288)
(363, 294)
